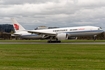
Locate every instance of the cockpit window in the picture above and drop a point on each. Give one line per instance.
(99, 28)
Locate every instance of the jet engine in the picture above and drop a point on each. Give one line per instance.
(62, 36)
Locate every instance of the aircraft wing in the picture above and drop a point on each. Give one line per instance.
(42, 32)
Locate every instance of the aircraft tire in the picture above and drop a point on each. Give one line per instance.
(54, 42)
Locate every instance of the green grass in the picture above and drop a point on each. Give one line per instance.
(52, 57)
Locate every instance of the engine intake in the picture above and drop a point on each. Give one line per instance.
(62, 36)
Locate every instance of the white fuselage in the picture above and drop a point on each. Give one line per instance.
(72, 31)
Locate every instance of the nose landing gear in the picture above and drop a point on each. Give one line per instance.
(94, 37)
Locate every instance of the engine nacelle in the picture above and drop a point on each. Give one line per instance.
(62, 36)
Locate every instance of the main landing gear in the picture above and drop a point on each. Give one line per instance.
(94, 37)
(53, 41)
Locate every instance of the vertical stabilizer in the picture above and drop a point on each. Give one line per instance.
(17, 26)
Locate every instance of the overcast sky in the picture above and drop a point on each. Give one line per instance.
(56, 13)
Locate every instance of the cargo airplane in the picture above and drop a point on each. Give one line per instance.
(58, 34)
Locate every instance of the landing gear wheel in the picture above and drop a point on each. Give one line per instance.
(54, 42)
(94, 37)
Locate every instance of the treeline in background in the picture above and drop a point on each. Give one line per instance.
(6, 30)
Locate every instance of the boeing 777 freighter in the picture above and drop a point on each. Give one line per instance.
(57, 34)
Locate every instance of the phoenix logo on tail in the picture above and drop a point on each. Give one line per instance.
(16, 26)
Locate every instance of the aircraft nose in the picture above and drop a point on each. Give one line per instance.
(99, 28)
